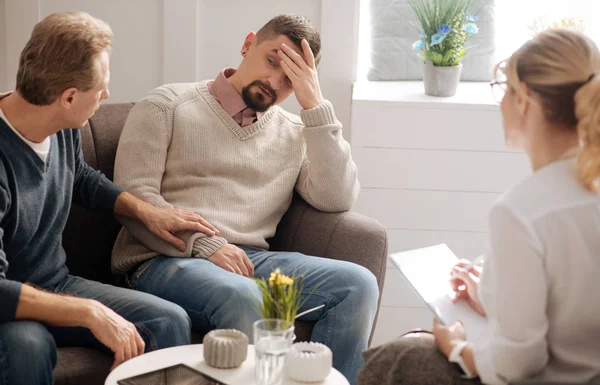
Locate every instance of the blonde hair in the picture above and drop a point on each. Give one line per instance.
(61, 54)
(562, 68)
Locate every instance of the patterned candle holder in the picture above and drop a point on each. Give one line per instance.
(309, 362)
(225, 348)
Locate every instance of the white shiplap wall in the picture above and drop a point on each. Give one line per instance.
(430, 169)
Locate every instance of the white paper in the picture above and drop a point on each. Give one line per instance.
(428, 271)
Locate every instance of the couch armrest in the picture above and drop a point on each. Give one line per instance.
(344, 236)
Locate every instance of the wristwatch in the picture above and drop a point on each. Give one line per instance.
(456, 358)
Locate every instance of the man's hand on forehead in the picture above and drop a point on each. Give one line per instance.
(302, 72)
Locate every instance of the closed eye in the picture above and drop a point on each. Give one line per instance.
(272, 62)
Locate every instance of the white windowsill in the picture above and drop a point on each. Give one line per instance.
(469, 96)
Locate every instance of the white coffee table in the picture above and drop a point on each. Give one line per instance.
(192, 355)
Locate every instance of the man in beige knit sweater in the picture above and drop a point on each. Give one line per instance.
(225, 150)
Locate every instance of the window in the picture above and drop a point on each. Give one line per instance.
(514, 17)
(513, 21)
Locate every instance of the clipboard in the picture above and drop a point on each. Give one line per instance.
(428, 271)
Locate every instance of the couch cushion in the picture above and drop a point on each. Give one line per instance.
(89, 237)
(77, 366)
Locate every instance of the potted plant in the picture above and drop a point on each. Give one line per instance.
(445, 26)
(281, 298)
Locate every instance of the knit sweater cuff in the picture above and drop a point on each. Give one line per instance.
(204, 247)
(321, 115)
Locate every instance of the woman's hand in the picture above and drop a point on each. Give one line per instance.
(447, 337)
(465, 283)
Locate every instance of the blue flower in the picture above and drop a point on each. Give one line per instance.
(437, 39)
(423, 34)
(444, 29)
(471, 28)
(471, 18)
(418, 45)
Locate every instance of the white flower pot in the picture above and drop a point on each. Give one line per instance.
(441, 81)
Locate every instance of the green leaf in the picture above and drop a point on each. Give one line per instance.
(437, 58)
(449, 57)
(431, 15)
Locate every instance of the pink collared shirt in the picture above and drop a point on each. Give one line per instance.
(231, 101)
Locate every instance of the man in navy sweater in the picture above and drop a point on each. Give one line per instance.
(63, 75)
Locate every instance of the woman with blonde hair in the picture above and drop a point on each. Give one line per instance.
(541, 272)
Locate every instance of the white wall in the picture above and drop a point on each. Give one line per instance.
(19, 18)
(430, 170)
(165, 41)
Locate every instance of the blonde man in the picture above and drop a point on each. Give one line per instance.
(63, 75)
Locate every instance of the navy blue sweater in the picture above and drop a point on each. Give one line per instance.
(35, 199)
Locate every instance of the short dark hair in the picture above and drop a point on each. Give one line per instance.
(296, 28)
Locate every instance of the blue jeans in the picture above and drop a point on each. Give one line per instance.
(217, 299)
(28, 348)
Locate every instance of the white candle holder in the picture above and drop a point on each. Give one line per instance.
(309, 362)
(225, 348)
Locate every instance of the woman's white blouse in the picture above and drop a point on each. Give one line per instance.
(540, 285)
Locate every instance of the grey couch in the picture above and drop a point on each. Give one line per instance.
(89, 237)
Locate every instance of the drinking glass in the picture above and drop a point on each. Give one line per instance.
(273, 338)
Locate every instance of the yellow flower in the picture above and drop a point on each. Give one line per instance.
(276, 278)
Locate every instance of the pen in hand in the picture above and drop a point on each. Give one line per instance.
(467, 268)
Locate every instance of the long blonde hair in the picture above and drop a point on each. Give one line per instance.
(562, 68)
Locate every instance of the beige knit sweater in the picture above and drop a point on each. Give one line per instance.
(179, 148)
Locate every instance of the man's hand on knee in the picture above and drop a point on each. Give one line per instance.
(116, 333)
(233, 259)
